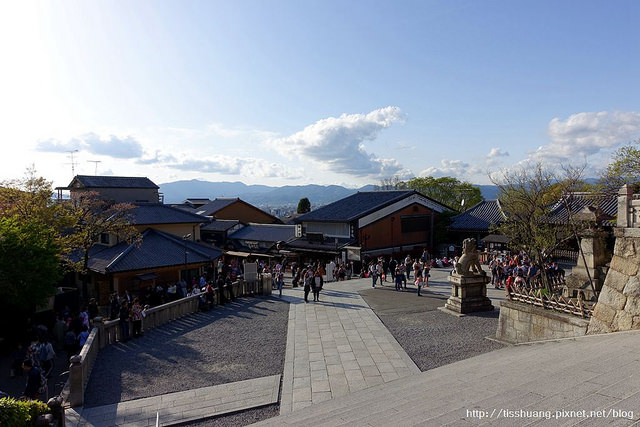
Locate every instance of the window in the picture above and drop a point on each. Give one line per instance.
(415, 223)
(104, 238)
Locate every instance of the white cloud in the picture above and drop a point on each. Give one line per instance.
(236, 166)
(585, 134)
(497, 152)
(118, 147)
(337, 143)
(453, 168)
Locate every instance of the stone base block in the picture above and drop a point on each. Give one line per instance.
(468, 294)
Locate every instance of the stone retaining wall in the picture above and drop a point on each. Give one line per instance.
(618, 307)
(520, 323)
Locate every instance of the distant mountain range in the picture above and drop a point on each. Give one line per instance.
(263, 195)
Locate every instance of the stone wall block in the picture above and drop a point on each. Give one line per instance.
(625, 248)
(626, 266)
(604, 313)
(636, 322)
(616, 280)
(632, 287)
(612, 298)
(622, 322)
(633, 305)
(597, 326)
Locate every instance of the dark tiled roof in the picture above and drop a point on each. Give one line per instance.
(89, 181)
(329, 245)
(220, 225)
(211, 208)
(157, 213)
(608, 204)
(158, 249)
(354, 206)
(479, 217)
(265, 232)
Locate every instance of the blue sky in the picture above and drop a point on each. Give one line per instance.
(325, 92)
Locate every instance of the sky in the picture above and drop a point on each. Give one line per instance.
(294, 92)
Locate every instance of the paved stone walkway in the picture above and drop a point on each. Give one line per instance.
(337, 346)
(585, 381)
(180, 407)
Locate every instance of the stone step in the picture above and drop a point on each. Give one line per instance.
(591, 373)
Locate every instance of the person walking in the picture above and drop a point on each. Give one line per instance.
(419, 282)
(308, 277)
(316, 285)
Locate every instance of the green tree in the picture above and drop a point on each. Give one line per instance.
(458, 195)
(527, 195)
(29, 262)
(624, 168)
(304, 205)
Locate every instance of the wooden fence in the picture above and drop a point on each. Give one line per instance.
(539, 298)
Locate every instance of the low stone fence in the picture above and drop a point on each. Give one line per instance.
(521, 322)
(108, 332)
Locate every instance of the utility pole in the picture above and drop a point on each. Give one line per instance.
(95, 162)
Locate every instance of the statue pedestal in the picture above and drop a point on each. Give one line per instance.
(468, 294)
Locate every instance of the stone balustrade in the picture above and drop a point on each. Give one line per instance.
(107, 332)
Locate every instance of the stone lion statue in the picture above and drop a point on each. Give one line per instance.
(468, 264)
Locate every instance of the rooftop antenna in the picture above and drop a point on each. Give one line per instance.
(96, 165)
(73, 163)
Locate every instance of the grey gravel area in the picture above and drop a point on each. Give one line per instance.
(238, 341)
(238, 419)
(430, 337)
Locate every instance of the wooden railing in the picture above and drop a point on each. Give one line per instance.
(108, 332)
(538, 297)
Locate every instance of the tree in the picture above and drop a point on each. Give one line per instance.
(304, 205)
(449, 191)
(29, 262)
(623, 169)
(527, 195)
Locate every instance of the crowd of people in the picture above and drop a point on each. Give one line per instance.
(520, 271)
(398, 271)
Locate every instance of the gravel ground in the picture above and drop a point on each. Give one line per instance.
(239, 419)
(430, 337)
(242, 340)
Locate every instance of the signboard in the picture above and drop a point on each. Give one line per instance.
(251, 271)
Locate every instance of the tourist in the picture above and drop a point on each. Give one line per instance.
(426, 274)
(34, 379)
(220, 286)
(307, 284)
(419, 281)
(46, 356)
(316, 284)
(124, 321)
(407, 264)
(398, 276)
(373, 273)
(136, 318)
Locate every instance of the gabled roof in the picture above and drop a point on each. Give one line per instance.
(479, 217)
(158, 213)
(89, 181)
(158, 249)
(220, 225)
(356, 206)
(607, 204)
(211, 208)
(265, 232)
